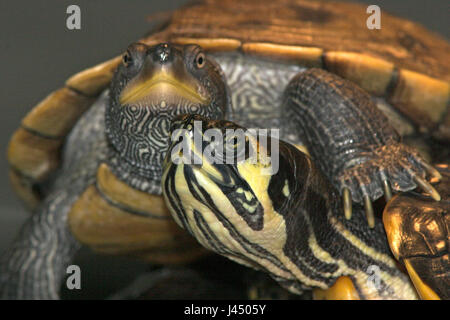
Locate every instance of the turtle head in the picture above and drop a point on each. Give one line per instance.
(216, 159)
(241, 210)
(227, 203)
(214, 148)
(151, 87)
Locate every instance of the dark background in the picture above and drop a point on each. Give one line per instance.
(38, 52)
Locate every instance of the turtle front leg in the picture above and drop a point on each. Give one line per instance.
(352, 141)
(34, 266)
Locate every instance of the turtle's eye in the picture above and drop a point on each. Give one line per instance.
(126, 59)
(200, 60)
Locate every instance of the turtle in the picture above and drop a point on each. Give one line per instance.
(288, 222)
(88, 160)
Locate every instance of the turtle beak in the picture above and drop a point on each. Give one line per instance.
(163, 79)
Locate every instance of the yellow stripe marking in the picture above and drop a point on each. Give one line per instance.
(376, 255)
(308, 56)
(286, 188)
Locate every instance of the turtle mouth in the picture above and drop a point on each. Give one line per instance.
(163, 87)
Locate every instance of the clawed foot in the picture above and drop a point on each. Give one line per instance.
(393, 166)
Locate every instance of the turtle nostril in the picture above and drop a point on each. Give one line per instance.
(162, 53)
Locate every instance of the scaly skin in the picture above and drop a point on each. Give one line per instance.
(36, 263)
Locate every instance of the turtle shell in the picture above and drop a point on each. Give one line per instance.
(402, 62)
(418, 232)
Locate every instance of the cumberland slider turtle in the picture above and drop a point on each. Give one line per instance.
(89, 158)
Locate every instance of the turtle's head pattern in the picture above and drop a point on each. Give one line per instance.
(151, 87)
(225, 205)
(220, 150)
(211, 141)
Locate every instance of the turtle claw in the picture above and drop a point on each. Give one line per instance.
(427, 187)
(347, 199)
(394, 167)
(387, 190)
(417, 233)
(433, 172)
(369, 211)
